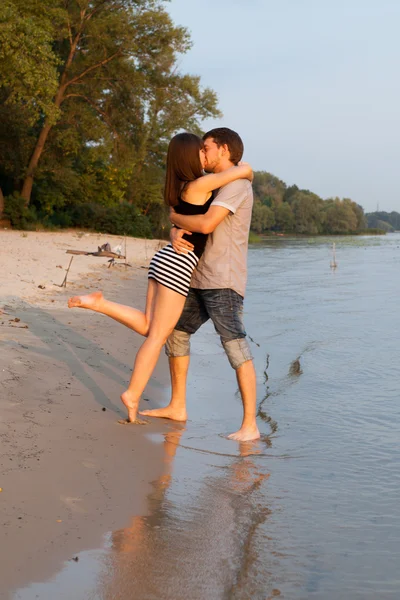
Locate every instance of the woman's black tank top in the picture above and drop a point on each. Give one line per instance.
(185, 208)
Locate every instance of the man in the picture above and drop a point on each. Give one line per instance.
(218, 284)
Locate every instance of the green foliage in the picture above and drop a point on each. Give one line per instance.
(28, 64)
(90, 94)
(359, 212)
(290, 192)
(284, 217)
(19, 215)
(279, 208)
(391, 220)
(372, 231)
(384, 226)
(308, 213)
(339, 217)
(268, 189)
(262, 218)
(123, 219)
(254, 238)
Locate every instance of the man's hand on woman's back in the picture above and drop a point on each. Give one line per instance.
(180, 245)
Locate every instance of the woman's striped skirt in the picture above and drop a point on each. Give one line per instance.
(173, 270)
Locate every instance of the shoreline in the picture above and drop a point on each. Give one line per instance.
(61, 374)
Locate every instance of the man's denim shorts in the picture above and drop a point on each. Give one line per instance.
(225, 308)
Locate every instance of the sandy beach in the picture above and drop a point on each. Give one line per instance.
(68, 471)
(33, 264)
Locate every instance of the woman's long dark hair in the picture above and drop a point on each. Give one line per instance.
(183, 165)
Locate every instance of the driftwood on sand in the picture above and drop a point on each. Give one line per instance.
(104, 250)
(104, 253)
(64, 283)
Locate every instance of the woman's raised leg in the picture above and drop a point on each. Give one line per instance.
(133, 318)
(168, 307)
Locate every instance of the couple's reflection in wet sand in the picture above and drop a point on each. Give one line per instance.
(129, 538)
(156, 555)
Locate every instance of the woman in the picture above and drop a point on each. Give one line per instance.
(189, 192)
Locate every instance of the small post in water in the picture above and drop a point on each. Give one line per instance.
(333, 261)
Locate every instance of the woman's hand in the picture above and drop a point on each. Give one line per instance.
(247, 170)
(180, 245)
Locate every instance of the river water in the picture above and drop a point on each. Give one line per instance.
(312, 511)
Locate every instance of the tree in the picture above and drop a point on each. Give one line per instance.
(301, 211)
(117, 80)
(359, 213)
(339, 217)
(375, 219)
(262, 218)
(290, 193)
(268, 189)
(284, 217)
(384, 225)
(28, 65)
(28, 81)
(394, 220)
(307, 209)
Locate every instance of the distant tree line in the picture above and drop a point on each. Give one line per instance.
(384, 220)
(288, 209)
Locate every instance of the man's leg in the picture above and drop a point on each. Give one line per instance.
(178, 352)
(246, 378)
(225, 308)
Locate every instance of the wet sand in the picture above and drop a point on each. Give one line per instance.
(194, 497)
(193, 536)
(68, 471)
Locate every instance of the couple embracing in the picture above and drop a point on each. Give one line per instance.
(200, 275)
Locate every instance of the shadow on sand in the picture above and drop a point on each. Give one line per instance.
(66, 345)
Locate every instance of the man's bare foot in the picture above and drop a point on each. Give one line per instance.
(245, 434)
(92, 301)
(166, 413)
(130, 405)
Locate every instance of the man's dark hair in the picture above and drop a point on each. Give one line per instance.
(223, 136)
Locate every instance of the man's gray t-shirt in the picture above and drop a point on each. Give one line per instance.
(224, 262)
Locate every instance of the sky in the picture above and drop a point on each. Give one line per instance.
(312, 86)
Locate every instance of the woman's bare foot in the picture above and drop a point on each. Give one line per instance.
(92, 301)
(130, 405)
(245, 434)
(166, 413)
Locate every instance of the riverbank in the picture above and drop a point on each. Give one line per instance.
(33, 264)
(260, 237)
(61, 374)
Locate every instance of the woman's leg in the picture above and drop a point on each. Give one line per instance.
(168, 307)
(131, 317)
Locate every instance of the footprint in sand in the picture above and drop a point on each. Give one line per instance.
(72, 504)
(136, 422)
(89, 464)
